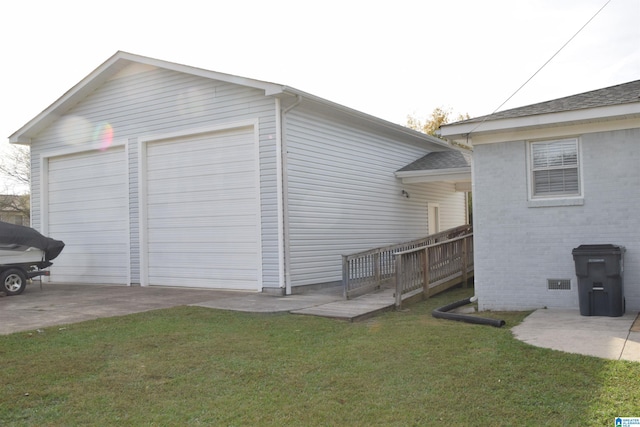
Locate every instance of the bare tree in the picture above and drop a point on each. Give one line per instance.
(15, 177)
(14, 207)
(15, 167)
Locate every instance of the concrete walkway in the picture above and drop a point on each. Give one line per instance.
(566, 330)
(327, 302)
(255, 302)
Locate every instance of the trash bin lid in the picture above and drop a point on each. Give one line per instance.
(606, 249)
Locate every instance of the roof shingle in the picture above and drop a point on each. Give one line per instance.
(625, 93)
(439, 160)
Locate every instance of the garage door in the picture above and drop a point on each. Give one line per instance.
(88, 211)
(203, 211)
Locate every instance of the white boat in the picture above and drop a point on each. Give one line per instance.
(25, 246)
(20, 254)
(24, 254)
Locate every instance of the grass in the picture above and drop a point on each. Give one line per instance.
(198, 366)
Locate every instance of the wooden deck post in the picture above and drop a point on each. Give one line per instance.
(425, 272)
(376, 268)
(398, 281)
(345, 276)
(464, 263)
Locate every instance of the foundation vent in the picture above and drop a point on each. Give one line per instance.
(559, 284)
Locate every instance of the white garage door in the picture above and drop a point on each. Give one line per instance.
(88, 211)
(203, 211)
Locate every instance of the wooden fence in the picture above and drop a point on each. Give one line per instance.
(369, 270)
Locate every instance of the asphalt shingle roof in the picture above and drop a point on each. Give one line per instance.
(625, 93)
(439, 160)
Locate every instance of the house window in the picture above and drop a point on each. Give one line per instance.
(555, 168)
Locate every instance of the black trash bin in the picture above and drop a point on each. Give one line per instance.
(600, 272)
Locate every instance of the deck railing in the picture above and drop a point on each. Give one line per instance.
(433, 268)
(365, 271)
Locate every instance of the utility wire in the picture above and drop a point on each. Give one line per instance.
(539, 69)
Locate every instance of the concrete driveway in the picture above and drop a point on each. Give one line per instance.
(59, 304)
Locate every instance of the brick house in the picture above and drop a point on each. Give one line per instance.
(548, 178)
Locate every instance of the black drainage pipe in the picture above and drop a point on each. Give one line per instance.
(441, 313)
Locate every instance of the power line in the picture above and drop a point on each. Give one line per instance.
(540, 69)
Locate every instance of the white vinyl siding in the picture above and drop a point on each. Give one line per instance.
(344, 196)
(451, 204)
(554, 168)
(134, 211)
(87, 210)
(434, 218)
(203, 219)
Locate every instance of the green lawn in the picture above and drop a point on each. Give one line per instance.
(198, 366)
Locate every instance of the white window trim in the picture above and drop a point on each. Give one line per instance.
(554, 200)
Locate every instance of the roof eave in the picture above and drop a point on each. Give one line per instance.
(455, 175)
(432, 172)
(48, 115)
(462, 130)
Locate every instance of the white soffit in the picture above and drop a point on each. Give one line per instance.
(439, 175)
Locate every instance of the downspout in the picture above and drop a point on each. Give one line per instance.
(284, 251)
(279, 196)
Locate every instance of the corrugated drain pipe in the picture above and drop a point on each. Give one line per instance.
(441, 313)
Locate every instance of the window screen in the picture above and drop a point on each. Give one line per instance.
(554, 167)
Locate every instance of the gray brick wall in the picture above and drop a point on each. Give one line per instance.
(519, 247)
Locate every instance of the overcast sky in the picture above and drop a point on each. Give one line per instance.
(386, 58)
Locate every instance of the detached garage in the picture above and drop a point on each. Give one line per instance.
(160, 174)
